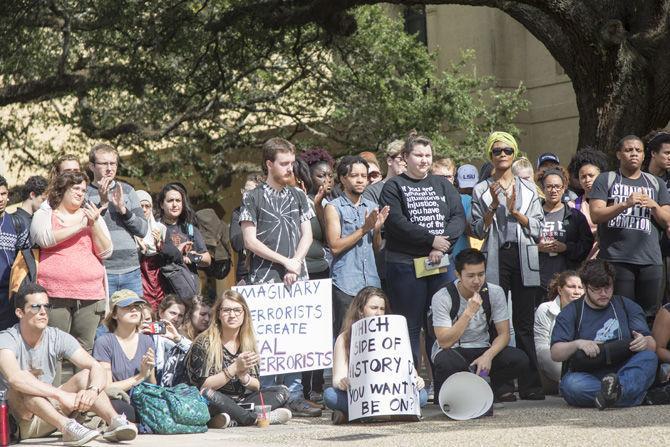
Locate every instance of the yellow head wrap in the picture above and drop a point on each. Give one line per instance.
(503, 137)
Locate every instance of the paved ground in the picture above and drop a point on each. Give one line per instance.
(550, 422)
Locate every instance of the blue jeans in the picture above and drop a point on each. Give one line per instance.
(635, 376)
(292, 380)
(411, 298)
(336, 399)
(131, 280)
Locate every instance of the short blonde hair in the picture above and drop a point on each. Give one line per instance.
(446, 163)
(102, 148)
(522, 163)
(394, 148)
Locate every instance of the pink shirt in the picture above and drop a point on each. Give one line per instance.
(70, 269)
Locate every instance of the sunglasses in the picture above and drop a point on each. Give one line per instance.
(496, 151)
(35, 308)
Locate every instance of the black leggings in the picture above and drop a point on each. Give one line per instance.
(641, 283)
(223, 403)
(523, 315)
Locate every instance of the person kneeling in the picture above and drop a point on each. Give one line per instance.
(223, 363)
(29, 353)
(369, 302)
(462, 313)
(606, 342)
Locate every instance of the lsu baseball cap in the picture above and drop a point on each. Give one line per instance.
(467, 176)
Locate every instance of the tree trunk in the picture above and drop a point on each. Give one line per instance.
(616, 52)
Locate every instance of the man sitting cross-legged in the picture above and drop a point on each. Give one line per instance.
(29, 353)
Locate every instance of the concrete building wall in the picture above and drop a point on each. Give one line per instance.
(506, 50)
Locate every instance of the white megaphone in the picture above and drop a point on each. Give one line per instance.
(464, 396)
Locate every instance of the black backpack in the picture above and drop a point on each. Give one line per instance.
(456, 305)
(215, 233)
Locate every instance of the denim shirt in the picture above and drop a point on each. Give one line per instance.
(354, 269)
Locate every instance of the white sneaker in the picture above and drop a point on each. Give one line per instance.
(76, 434)
(280, 416)
(120, 430)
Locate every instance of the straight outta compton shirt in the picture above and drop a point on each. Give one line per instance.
(632, 237)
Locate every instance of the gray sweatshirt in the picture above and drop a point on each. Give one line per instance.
(125, 257)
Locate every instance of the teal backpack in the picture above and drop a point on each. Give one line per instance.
(170, 411)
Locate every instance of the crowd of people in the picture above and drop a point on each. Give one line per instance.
(542, 277)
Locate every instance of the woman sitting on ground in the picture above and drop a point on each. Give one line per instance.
(223, 363)
(126, 353)
(171, 346)
(564, 288)
(369, 302)
(197, 318)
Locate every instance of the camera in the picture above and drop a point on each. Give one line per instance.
(156, 327)
(194, 257)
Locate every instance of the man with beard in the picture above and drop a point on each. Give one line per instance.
(353, 228)
(275, 221)
(606, 341)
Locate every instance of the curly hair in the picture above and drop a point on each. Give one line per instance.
(316, 155)
(558, 170)
(559, 280)
(587, 156)
(61, 184)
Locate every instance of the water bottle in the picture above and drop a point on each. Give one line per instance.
(4, 420)
(484, 374)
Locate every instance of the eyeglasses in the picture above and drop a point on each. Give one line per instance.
(36, 308)
(237, 311)
(606, 290)
(109, 164)
(374, 175)
(553, 187)
(496, 151)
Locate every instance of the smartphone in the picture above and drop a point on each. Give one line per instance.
(85, 202)
(247, 406)
(194, 257)
(156, 327)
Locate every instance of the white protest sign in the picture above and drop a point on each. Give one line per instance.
(381, 370)
(293, 325)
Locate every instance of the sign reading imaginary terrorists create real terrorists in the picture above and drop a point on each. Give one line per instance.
(293, 325)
